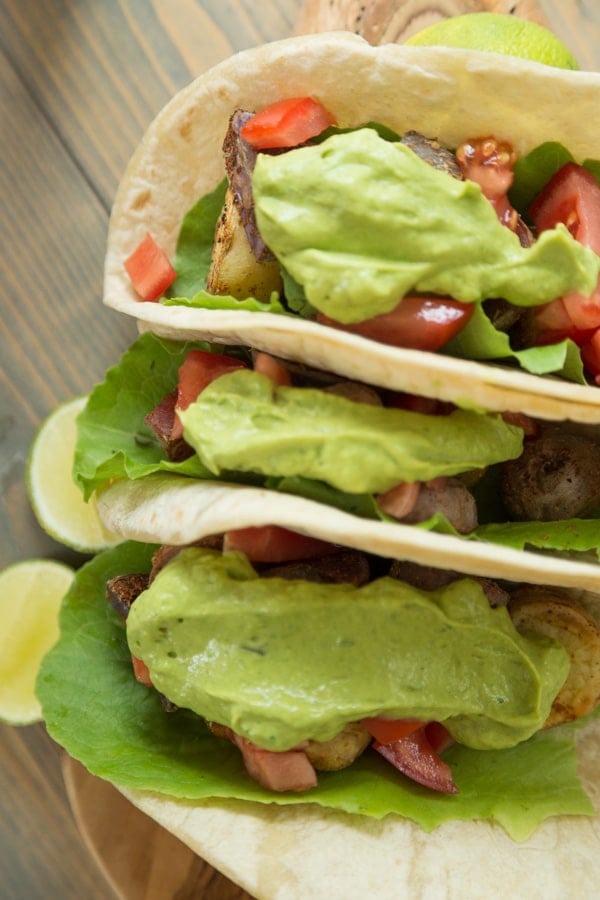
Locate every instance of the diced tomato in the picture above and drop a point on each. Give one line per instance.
(287, 123)
(385, 731)
(416, 756)
(572, 196)
(141, 671)
(271, 543)
(150, 271)
(272, 368)
(198, 370)
(418, 323)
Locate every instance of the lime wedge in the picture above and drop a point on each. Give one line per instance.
(31, 593)
(56, 500)
(497, 33)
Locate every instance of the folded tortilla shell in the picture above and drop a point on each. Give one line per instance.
(449, 94)
(171, 509)
(282, 853)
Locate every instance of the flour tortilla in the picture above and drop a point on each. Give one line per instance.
(450, 94)
(283, 853)
(172, 509)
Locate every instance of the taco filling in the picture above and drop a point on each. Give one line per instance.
(304, 654)
(395, 238)
(249, 418)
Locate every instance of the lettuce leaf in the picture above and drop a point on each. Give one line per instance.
(479, 339)
(194, 243)
(203, 300)
(113, 440)
(115, 726)
(566, 536)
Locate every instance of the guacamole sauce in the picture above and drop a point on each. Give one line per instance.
(283, 661)
(360, 222)
(244, 422)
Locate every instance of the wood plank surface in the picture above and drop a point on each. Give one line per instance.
(79, 82)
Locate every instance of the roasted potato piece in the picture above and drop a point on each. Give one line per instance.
(326, 756)
(340, 751)
(542, 611)
(234, 269)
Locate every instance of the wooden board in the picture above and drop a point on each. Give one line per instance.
(139, 859)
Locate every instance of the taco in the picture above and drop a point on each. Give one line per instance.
(335, 547)
(245, 417)
(192, 779)
(496, 294)
(367, 814)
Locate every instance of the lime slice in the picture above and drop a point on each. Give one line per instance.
(497, 33)
(56, 500)
(30, 597)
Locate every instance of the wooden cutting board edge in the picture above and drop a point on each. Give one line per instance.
(136, 856)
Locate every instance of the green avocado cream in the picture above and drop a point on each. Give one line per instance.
(283, 661)
(244, 422)
(360, 222)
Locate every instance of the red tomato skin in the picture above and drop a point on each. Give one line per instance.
(386, 731)
(198, 370)
(286, 123)
(273, 544)
(417, 323)
(141, 671)
(265, 364)
(149, 269)
(572, 197)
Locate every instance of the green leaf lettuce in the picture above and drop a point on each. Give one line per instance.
(116, 727)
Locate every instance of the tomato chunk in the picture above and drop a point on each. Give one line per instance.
(386, 731)
(267, 365)
(571, 197)
(141, 671)
(271, 543)
(199, 368)
(286, 123)
(150, 271)
(417, 323)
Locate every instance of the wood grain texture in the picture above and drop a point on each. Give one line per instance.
(392, 21)
(141, 860)
(79, 82)
(41, 854)
(100, 71)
